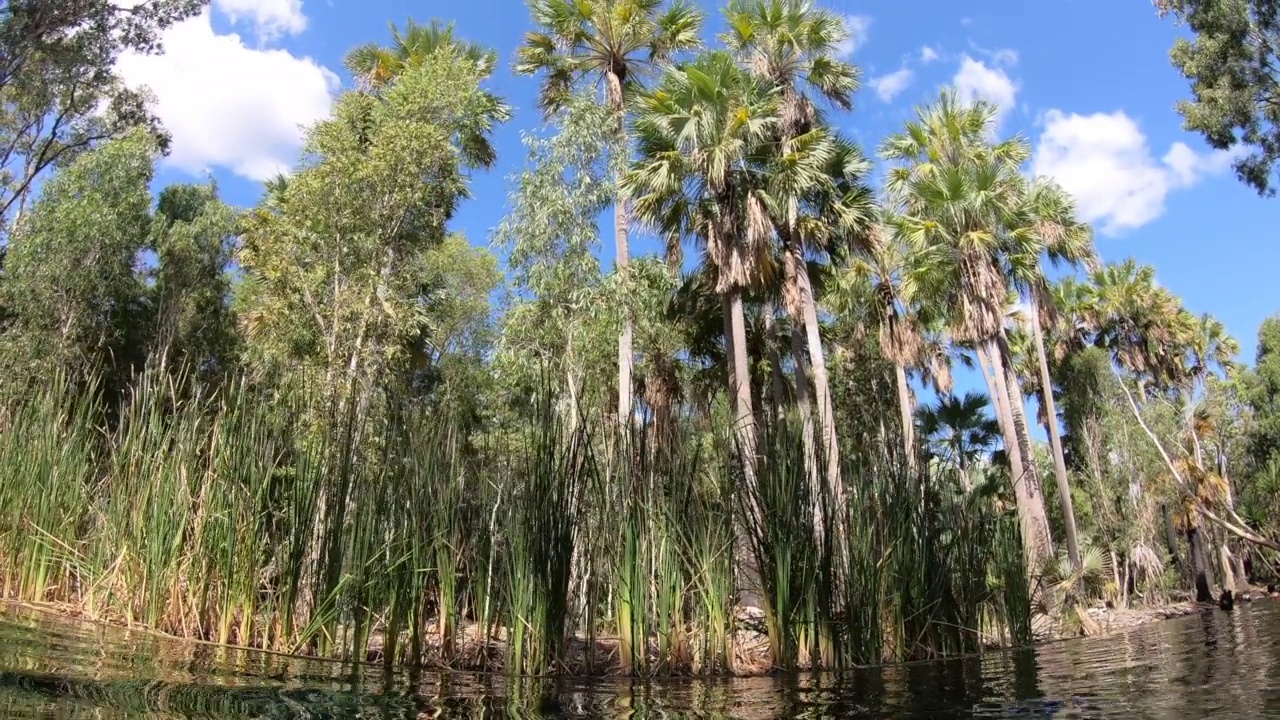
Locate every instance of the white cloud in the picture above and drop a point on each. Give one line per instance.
(928, 54)
(858, 27)
(228, 105)
(975, 80)
(1105, 162)
(270, 18)
(889, 86)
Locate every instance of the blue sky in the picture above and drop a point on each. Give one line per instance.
(1088, 82)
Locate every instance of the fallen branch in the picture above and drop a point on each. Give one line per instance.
(1232, 527)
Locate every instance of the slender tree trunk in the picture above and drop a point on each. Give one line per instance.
(622, 250)
(1031, 516)
(804, 405)
(1017, 409)
(1170, 535)
(821, 381)
(1055, 442)
(740, 383)
(1200, 566)
(1012, 451)
(777, 383)
(745, 431)
(904, 408)
(625, 356)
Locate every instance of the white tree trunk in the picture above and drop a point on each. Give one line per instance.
(1055, 442)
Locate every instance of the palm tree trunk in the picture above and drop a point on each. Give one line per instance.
(1199, 565)
(904, 407)
(1031, 479)
(622, 259)
(745, 431)
(804, 404)
(821, 381)
(1031, 515)
(1017, 409)
(740, 383)
(1055, 442)
(777, 383)
(625, 356)
(1011, 448)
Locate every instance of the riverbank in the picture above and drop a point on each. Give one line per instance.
(1101, 619)
(599, 657)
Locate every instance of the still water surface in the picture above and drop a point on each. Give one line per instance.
(1213, 665)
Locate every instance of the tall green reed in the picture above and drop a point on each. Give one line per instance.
(374, 525)
(546, 482)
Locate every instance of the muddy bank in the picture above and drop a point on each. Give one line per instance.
(1103, 619)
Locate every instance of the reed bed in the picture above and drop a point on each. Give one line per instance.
(375, 528)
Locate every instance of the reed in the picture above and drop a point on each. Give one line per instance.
(372, 526)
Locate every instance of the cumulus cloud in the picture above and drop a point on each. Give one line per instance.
(928, 54)
(1105, 162)
(270, 18)
(975, 80)
(888, 87)
(228, 105)
(858, 26)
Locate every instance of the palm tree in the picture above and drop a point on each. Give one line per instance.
(378, 66)
(1211, 347)
(792, 46)
(697, 132)
(884, 285)
(1143, 326)
(617, 42)
(957, 191)
(958, 431)
(1048, 225)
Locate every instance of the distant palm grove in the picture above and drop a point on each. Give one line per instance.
(328, 425)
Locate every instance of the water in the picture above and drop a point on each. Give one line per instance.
(1213, 665)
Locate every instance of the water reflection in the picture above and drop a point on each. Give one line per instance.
(1214, 665)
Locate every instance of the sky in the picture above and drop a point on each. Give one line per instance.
(1087, 82)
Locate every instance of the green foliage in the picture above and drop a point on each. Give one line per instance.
(1262, 393)
(619, 39)
(378, 67)
(306, 427)
(58, 87)
(335, 262)
(551, 236)
(1231, 62)
(225, 517)
(193, 236)
(70, 288)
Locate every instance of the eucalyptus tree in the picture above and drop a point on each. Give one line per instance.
(956, 189)
(1231, 63)
(697, 133)
(193, 234)
(378, 66)
(71, 293)
(550, 236)
(617, 42)
(60, 89)
(792, 45)
(333, 261)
